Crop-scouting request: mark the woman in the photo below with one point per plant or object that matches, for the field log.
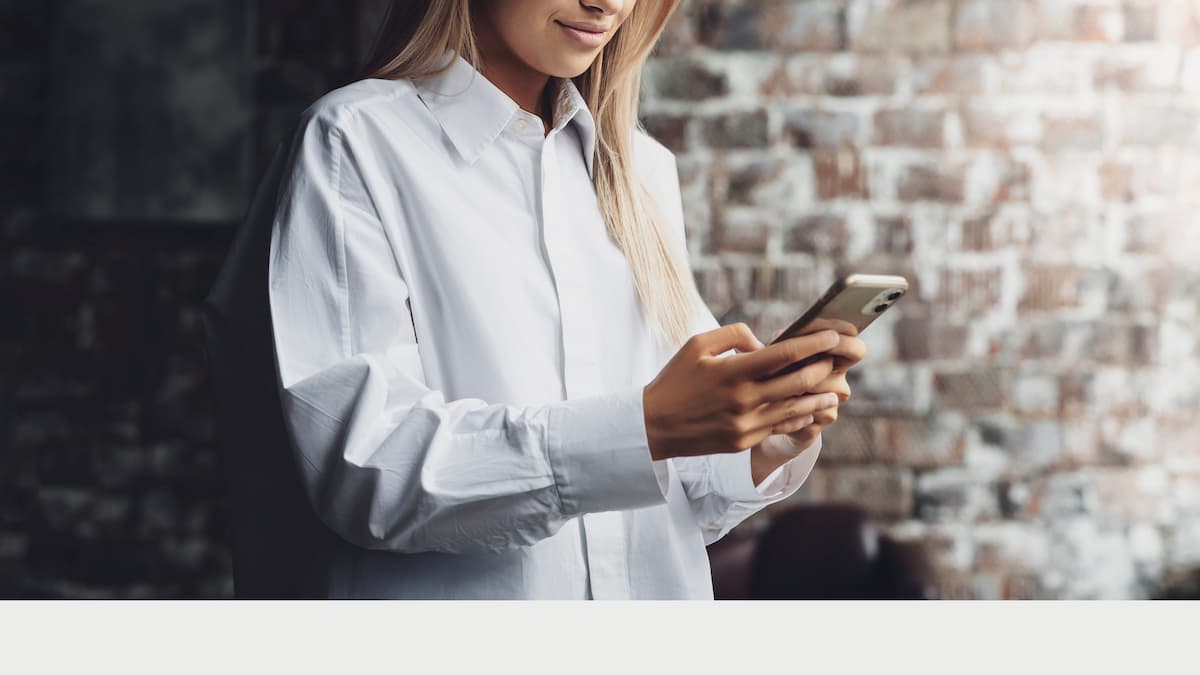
(498, 378)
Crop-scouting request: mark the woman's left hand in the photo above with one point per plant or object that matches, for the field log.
(803, 432)
(789, 439)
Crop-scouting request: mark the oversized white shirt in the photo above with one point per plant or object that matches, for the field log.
(461, 354)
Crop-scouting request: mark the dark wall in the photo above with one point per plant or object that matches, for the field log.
(132, 134)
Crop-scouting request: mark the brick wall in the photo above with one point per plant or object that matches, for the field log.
(1033, 167)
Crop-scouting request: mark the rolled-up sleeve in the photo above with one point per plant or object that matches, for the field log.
(387, 462)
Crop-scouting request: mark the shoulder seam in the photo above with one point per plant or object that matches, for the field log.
(339, 232)
(341, 109)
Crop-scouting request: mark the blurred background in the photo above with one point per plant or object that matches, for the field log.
(1028, 420)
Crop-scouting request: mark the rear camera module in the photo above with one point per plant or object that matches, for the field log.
(881, 301)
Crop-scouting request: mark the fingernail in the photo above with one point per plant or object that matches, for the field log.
(806, 420)
(829, 400)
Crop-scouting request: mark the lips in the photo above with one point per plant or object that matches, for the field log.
(583, 27)
(583, 34)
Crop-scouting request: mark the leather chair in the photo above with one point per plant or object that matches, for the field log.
(819, 552)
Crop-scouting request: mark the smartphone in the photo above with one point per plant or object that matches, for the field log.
(849, 306)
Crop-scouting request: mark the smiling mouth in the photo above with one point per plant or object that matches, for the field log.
(581, 30)
(584, 37)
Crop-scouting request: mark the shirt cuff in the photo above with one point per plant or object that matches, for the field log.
(733, 478)
(774, 482)
(599, 454)
(663, 474)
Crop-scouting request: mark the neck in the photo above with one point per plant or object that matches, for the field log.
(523, 84)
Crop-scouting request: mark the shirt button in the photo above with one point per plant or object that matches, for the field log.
(520, 125)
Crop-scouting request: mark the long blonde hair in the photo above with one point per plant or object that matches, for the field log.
(415, 33)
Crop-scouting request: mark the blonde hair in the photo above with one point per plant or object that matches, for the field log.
(415, 33)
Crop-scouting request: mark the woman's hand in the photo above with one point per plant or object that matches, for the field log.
(801, 433)
(701, 403)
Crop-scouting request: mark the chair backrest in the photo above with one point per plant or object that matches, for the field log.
(819, 552)
(815, 552)
(730, 559)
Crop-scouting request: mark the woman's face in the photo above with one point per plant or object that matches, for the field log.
(540, 33)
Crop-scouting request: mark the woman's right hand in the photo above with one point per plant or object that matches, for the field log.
(701, 404)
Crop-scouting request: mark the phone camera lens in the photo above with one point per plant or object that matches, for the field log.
(894, 295)
(880, 308)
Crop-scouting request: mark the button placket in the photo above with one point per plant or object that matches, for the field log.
(558, 249)
(603, 533)
(554, 255)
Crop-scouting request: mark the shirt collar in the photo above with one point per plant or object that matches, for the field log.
(472, 111)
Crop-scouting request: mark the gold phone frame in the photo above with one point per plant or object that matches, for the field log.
(849, 305)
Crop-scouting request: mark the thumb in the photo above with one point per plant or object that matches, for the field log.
(734, 336)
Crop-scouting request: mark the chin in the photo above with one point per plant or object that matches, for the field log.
(571, 65)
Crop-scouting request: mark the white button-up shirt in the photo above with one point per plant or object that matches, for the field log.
(461, 355)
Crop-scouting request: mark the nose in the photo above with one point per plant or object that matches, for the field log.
(603, 6)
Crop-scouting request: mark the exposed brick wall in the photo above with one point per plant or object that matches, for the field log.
(1033, 167)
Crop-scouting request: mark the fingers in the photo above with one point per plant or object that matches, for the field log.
(805, 429)
(849, 351)
(720, 340)
(767, 360)
(777, 412)
(834, 384)
(825, 416)
(793, 425)
(806, 435)
(799, 382)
